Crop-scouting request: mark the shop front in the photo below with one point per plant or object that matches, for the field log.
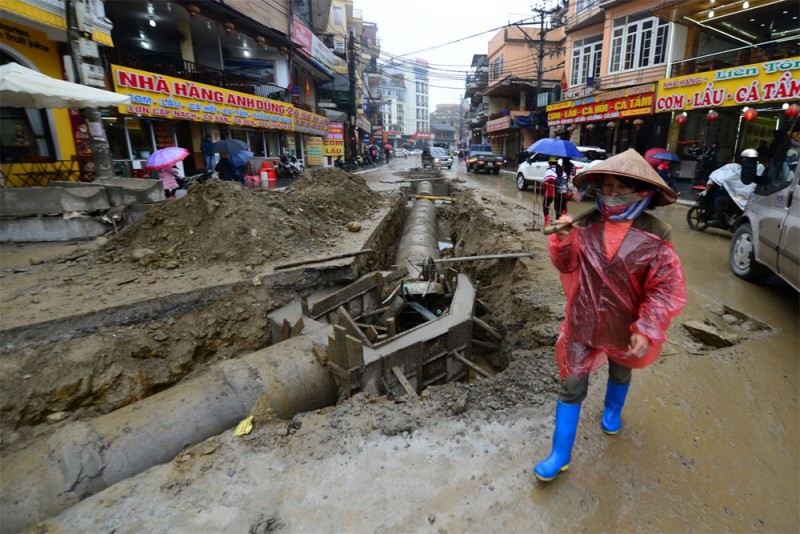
(166, 111)
(737, 108)
(46, 138)
(613, 120)
(503, 135)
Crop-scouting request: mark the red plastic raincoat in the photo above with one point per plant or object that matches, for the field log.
(639, 289)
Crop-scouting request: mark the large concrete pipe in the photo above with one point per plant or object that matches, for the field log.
(419, 239)
(84, 458)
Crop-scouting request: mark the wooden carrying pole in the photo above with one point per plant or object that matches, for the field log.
(553, 228)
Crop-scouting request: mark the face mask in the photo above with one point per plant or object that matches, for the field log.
(624, 207)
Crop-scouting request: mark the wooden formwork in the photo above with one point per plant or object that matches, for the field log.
(435, 352)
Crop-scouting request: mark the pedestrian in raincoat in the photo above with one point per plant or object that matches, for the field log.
(556, 188)
(169, 179)
(623, 283)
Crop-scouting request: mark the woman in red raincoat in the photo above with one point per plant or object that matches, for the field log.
(623, 283)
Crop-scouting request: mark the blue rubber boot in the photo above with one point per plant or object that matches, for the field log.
(615, 400)
(563, 438)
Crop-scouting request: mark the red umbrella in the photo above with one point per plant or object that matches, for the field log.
(165, 157)
(387, 145)
(648, 156)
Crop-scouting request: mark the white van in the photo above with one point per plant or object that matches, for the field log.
(768, 236)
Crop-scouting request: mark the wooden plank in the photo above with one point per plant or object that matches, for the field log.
(334, 300)
(372, 333)
(404, 381)
(333, 351)
(469, 364)
(492, 332)
(391, 327)
(395, 308)
(324, 259)
(393, 276)
(304, 306)
(351, 327)
(286, 329)
(340, 335)
(487, 257)
(297, 328)
(355, 351)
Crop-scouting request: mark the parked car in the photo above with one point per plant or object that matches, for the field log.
(532, 170)
(400, 153)
(765, 241)
(431, 153)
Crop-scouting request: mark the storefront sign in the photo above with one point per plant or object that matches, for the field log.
(629, 102)
(311, 46)
(155, 95)
(503, 123)
(310, 123)
(333, 142)
(771, 81)
(313, 150)
(421, 135)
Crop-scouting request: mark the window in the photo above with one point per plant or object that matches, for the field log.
(497, 68)
(25, 133)
(583, 5)
(638, 41)
(586, 56)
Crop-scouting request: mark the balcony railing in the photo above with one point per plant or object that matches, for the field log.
(737, 57)
(173, 65)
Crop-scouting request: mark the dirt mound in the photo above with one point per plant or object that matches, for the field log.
(222, 222)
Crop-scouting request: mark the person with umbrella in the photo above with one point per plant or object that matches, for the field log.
(228, 171)
(623, 283)
(163, 161)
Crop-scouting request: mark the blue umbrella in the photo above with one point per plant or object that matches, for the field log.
(555, 147)
(669, 156)
(240, 158)
(229, 145)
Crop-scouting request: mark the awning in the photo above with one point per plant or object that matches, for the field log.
(21, 87)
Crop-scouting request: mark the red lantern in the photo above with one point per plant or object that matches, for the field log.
(792, 111)
(638, 123)
(750, 114)
(712, 116)
(680, 119)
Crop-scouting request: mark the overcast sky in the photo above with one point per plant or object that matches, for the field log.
(414, 25)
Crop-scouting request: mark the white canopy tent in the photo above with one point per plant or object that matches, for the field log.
(21, 87)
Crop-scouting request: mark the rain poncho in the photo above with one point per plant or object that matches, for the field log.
(168, 178)
(639, 289)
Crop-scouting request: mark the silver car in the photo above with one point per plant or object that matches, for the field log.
(767, 239)
(532, 170)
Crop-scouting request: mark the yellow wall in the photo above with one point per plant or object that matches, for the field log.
(32, 49)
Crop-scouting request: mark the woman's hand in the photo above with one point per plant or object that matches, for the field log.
(564, 232)
(638, 345)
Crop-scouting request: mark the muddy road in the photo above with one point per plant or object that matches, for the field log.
(710, 438)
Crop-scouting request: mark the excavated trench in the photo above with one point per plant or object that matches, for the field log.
(303, 339)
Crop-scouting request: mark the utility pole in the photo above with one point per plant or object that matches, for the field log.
(351, 103)
(101, 153)
(543, 14)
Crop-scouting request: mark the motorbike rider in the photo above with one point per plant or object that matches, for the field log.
(729, 188)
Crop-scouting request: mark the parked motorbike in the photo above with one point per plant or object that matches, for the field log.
(185, 182)
(289, 167)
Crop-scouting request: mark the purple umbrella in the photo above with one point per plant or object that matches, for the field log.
(165, 157)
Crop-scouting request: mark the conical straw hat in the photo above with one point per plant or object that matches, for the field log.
(629, 164)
